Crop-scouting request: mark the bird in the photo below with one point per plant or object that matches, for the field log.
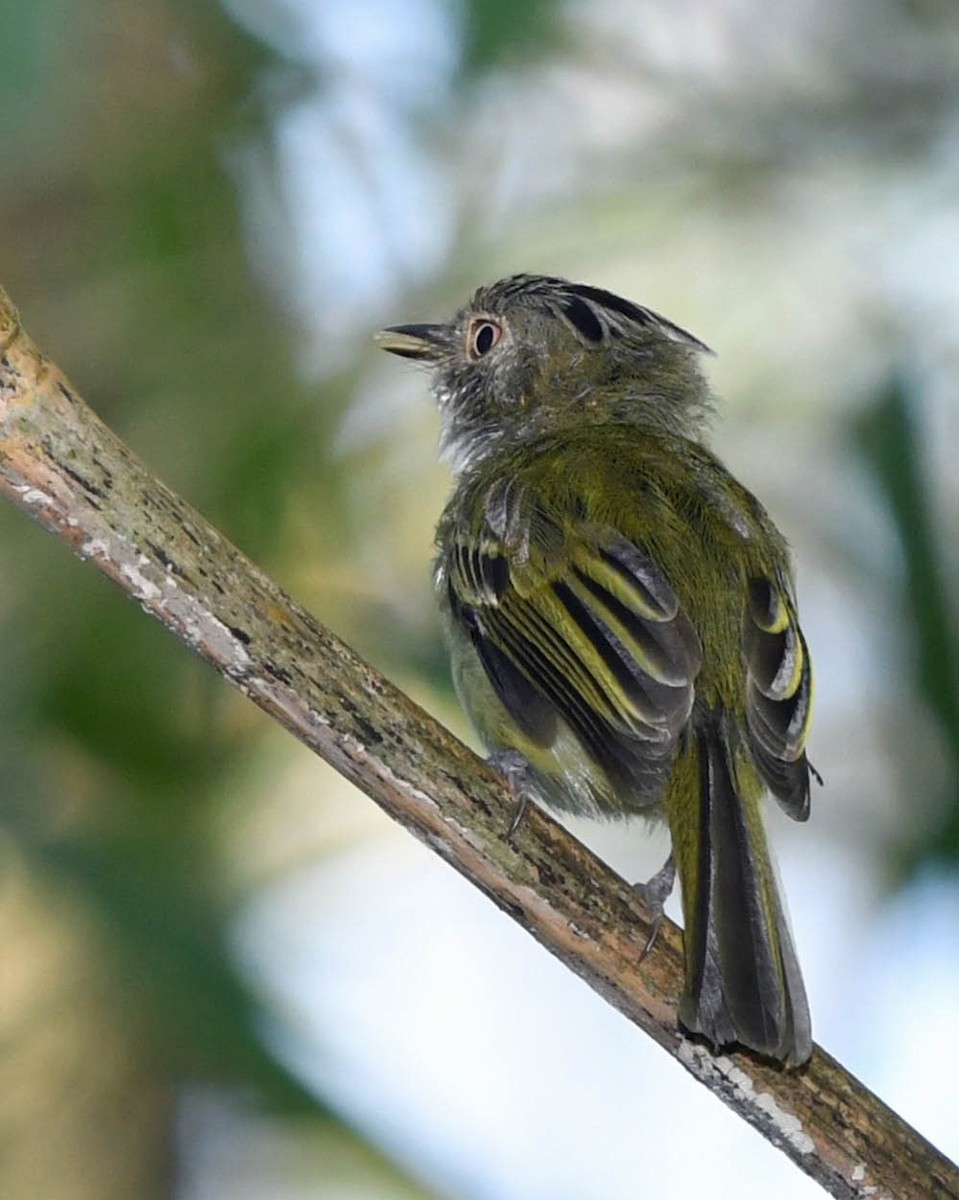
(621, 616)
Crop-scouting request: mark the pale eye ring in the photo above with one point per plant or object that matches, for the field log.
(483, 335)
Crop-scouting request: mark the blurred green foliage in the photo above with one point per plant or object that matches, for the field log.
(123, 248)
(889, 440)
(498, 33)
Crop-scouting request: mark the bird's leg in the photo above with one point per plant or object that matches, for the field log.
(515, 769)
(655, 892)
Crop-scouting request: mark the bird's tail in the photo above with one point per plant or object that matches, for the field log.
(743, 982)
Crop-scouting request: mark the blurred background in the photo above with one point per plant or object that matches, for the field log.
(224, 973)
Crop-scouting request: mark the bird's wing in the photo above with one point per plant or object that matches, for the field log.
(578, 621)
(779, 690)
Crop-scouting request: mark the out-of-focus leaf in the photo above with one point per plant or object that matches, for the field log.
(499, 32)
(888, 439)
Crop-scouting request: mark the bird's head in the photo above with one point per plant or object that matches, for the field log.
(532, 354)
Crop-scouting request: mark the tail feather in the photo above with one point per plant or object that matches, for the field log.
(743, 982)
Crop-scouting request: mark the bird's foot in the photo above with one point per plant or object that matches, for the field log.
(655, 892)
(515, 769)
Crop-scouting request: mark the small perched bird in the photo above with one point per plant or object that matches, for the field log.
(621, 615)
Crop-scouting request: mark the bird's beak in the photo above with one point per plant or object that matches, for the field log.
(412, 341)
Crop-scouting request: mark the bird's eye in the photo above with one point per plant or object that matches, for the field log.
(483, 336)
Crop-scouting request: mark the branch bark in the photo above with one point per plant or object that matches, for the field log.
(67, 470)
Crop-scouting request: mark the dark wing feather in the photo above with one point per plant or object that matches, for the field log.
(594, 633)
(778, 694)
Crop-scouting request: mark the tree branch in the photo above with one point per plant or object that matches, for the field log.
(65, 468)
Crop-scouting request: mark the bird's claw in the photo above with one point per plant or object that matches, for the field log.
(655, 892)
(515, 769)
